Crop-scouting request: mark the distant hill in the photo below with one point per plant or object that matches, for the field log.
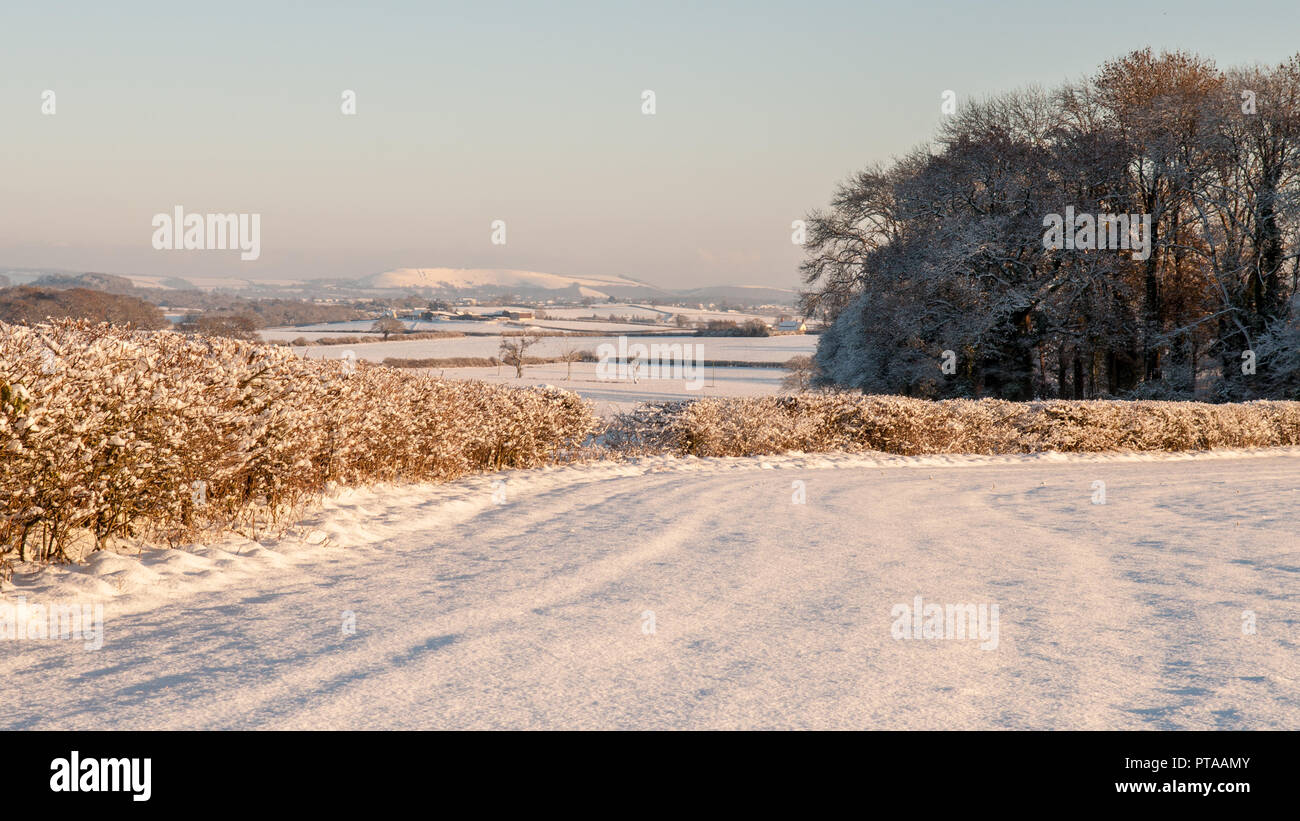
(472, 281)
(742, 294)
(109, 283)
(524, 282)
(482, 283)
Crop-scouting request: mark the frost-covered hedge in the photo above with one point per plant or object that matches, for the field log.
(106, 431)
(893, 424)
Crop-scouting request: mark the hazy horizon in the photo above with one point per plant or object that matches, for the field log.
(26, 275)
(533, 116)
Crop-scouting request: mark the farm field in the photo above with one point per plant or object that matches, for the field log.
(774, 349)
(610, 397)
(605, 318)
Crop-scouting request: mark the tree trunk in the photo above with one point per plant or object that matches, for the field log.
(1078, 375)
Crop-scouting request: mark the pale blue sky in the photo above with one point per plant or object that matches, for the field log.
(527, 112)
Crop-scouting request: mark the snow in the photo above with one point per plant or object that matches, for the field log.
(489, 277)
(611, 396)
(603, 310)
(464, 326)
(365, 326)
(664, 313)
(773, 349)
(530, 613)
(629, 328)
(608, 396)
(210, 283)
(560, 319)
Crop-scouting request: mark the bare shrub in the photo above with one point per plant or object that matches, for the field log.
(443, 362)
(800, 374)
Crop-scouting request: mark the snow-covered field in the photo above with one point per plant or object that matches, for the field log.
(695, 593)
(731, 348)
(608, 396)
(496, 277)
(572, 327)
(364, 326)
(491, 326)
(600, 326)
(611, 396)
(664, 313)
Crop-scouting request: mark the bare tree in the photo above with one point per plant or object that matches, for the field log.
(570, 354)
(513, 349)
(800, 371)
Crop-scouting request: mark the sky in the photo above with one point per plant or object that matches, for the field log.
(529, 113)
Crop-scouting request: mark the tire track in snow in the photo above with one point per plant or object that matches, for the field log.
(385, 656)
(525, 615)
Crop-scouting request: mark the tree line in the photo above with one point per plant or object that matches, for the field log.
(223, 315)
(936, 276)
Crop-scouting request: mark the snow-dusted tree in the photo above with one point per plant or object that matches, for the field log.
(513, 351)
(387, 325)
(800, 371)
(934, 273)
(568, 355)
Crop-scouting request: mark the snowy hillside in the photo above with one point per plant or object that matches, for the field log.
(497, 278)
(743, 294)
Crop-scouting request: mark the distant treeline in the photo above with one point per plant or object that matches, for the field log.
(265, 313)
(222, 315)
(29, 305)
(726, 327)
(268, 313)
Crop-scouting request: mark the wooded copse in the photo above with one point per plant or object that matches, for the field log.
(938, 277)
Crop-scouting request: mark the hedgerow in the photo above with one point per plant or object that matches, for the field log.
(894, 424)
(108, 432)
